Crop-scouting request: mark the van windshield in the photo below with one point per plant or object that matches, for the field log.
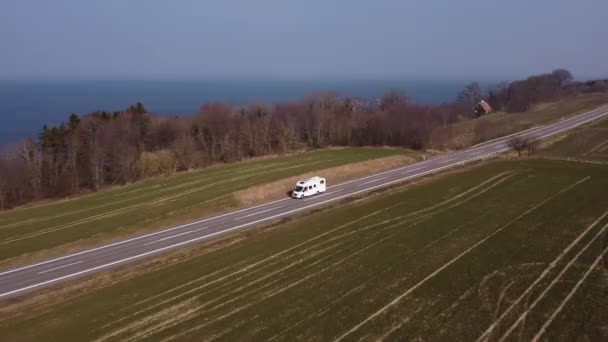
(298, 189)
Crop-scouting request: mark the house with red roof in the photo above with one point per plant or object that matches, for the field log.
(482, 108)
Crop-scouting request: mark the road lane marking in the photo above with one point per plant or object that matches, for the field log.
(323, 194)
(138, 237)
(496, 142)
(176, 235)
(56, 268)
(156, 251)
(499, 141)
(374, 180)
(257, 213)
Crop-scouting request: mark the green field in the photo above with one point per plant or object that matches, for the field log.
(588, 143)
(156, 203)
(505, 242)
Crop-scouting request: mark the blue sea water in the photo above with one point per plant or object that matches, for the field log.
(27, 105)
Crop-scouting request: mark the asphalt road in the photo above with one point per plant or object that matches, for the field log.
(18, 281)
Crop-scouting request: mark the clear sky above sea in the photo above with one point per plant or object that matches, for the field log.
(312, 39)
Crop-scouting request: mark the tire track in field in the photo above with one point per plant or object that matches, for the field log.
(431, 211)
(433, 243)
(139, 205)
(599, 147)
(191, 313)
(194, 291)
(63, 201)
(462, 194)
(399, 298)
(146, 194)
(119, 211)
(225, 332)
(412, 253)
(446, 314)
(400, 324)
(231, 292)
(275, 290)
(194, 281)
(429, 214)
(486, 334)
(398, 223)
(105, 205)
(525, 313)
(320, 312)
(282, 288)
(255, 281)
(548, 322)
(166, 292)
(278, 254)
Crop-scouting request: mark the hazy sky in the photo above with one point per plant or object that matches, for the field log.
(143, 39)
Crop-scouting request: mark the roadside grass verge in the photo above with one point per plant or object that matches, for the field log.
(466, 133)
(450, 258)
(34, 232)
(587, 143)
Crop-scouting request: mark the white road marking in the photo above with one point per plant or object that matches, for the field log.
(138, 238)
(50, 281)
(176, 235)
(499, 141)
(56, 268)
(324, 194)
(257, 213)
(374, 180)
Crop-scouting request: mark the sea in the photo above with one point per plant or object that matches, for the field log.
(27, 105)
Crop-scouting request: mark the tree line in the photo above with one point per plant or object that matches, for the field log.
(108, 148)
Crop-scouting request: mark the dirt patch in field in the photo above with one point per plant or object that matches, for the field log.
(334, 175)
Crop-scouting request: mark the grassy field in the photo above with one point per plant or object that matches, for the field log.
(156, 203)
(506, 249)
(588, 143)
(494, 125)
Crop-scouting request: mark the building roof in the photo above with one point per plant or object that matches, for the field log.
(485, 106)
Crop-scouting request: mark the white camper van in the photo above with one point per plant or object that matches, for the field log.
(309, 187)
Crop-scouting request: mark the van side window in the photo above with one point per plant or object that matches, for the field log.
(315, 185)
(322, 182)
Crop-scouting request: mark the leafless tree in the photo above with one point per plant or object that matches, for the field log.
(470, 95)
(32, 158)
(103, 148)
(519, 144)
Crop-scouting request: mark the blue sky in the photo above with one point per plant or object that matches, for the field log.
(431, 39)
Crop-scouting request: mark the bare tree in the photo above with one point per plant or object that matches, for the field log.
(470, 95)
(184, 150)
(563, 76)
(103, 148)
(519, 144)
(532, 147)
(32, 157)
